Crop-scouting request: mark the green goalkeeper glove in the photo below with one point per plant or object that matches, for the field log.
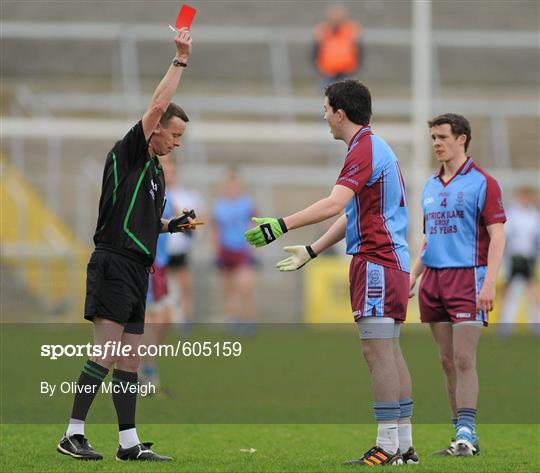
(267, 230)
(301, 255)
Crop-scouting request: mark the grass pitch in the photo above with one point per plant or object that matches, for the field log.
(287, 374)
(300, 396)
(279, 448)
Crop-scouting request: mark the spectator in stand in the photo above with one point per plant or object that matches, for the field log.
(337, 50)
(522, 248)
(231, 216)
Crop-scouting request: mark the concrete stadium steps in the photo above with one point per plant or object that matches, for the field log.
(75, 195)
(17, 303)
(396, 13)
(248, 63)
(524, 142)
(39, 247)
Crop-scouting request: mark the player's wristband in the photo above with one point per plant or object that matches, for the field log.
(270, 231)
(284, 228)
(311, 252)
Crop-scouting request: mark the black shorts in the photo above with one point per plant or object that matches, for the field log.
(178, 261)
(522, 266)
(116, 288)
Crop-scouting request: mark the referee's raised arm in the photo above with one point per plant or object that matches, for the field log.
(168, 85)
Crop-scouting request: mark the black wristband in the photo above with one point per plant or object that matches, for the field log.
(284, 228)
(182, 220)
(178, 63)
(311, 252)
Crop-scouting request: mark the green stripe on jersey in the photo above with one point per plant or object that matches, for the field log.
(115, 178)
(99, 229)
(133, 199)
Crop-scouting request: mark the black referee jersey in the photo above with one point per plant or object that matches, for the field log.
(132, 199)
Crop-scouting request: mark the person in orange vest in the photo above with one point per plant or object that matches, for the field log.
(337, 46)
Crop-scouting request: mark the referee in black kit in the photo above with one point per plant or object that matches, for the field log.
(129, 223)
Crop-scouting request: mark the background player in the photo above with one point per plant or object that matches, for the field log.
(522, 232)
(129, 222)
(459, 259)
(231, 216)
(376, 231)
(158, 307)
(180, 245)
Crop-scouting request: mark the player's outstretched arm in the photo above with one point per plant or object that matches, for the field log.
(334, 234)
(486, 296)
(301, 255)
(417, 268)
(321, 210)
(270, 229)
(167, 87)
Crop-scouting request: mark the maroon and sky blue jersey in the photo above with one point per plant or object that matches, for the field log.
(377, 214)
(456, 214)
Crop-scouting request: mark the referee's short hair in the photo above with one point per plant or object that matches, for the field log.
(173, 110)
(458, 124)
(353, 98)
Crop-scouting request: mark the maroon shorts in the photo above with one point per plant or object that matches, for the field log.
(157, 285)
(449, 295)
(377, 291)
(230, 259)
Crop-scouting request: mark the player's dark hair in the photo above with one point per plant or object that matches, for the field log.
(173, 110)
(353, 98)
(458, 124)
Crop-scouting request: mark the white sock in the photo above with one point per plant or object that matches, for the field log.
(75, 427)
(387, 437)
(128, 438)
(405, 434)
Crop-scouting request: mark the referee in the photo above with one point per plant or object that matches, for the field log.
(129, 222)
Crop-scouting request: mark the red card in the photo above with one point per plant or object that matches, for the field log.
(185, 17)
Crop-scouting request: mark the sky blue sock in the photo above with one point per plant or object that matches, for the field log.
(386, 410)
(465, 426)
(406, 407)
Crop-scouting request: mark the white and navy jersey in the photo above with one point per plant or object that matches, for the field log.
(377, 214)
(182, 198)
(132, 199)
(456, 214)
